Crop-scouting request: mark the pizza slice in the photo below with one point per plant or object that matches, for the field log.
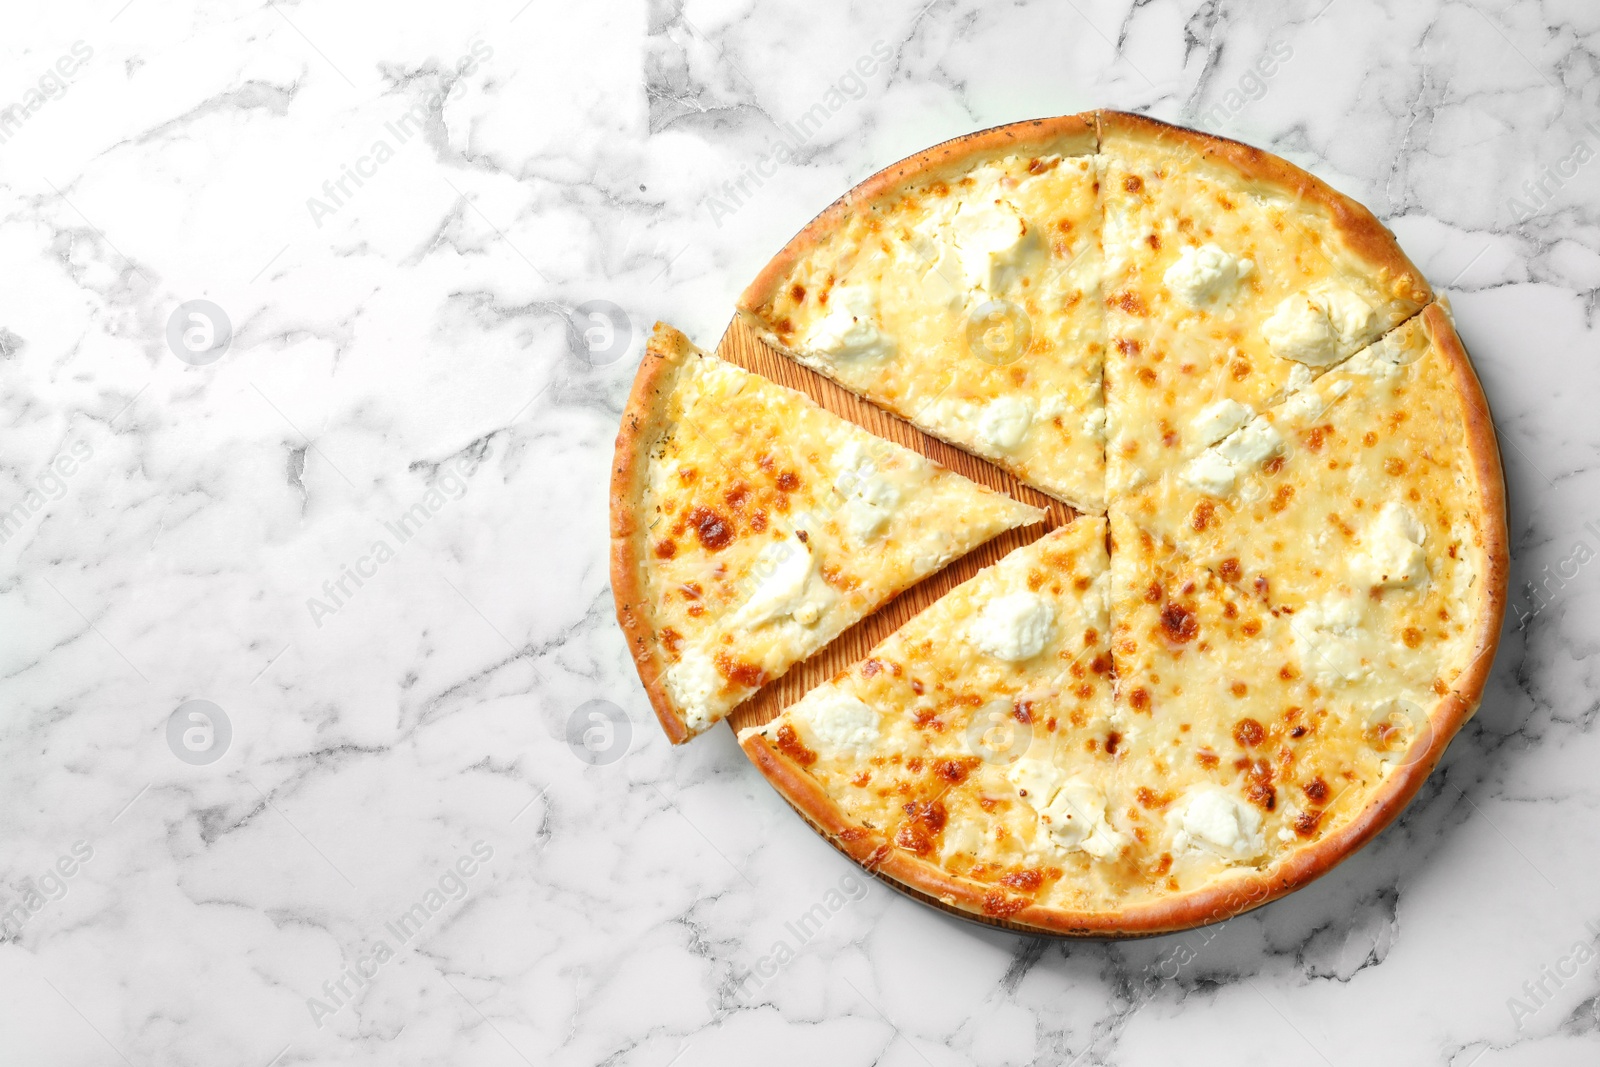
(1375, 525)
(971, 756)
(1248, 774)
(1231, 278)
(960, 289)
(750, 527)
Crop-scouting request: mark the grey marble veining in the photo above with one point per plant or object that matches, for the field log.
(372, 533)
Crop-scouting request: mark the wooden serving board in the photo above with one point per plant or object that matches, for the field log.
(741, 346)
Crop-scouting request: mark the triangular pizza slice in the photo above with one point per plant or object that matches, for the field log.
(750, 527)
(971, 756)
(1231, 278)
(960, 289)
(1245, 770)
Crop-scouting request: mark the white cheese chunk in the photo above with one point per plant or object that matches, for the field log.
(870, 497)
(943, 284)
(1391, 550)
(1319, 326)
(992, 428)
(1036, 780)
(1210, 473)
(961, 835)
(1003, 422)
(691, 682)
(1331, 640)
(1013, 627)
(1251, 446)
(991, 239)
(837, 721)
(850, 330)
(1071, 811)
(1303, 406)
(1215, 820)
(1203, 275)
(781, 573)
(1380, 361)
(1218, 420)
(1216, 470)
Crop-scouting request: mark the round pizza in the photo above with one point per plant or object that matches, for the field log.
(1270, 600)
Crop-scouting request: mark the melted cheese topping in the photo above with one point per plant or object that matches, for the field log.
(996, 767)
(1320, 326)
(850, 331)
(1360, 526)
(1205, 274)
(969, 304)
(1190, 325)
(1277, 652)
(1013, 627)
(758, 504)
(1243, 751)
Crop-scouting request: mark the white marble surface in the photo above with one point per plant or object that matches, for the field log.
(412, 331)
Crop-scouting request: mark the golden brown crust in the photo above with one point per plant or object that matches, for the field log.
(1484, 450)
(642, 423)
(1069, 134)
(1361, 232)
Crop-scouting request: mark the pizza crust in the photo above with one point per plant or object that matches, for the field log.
(643, 420)
(1484, 451)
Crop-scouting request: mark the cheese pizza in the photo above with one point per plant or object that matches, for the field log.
(750, 527)
(1277, 598)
